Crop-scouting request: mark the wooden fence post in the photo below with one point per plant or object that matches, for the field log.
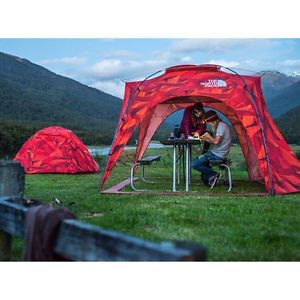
(5, 246)
(12, 181)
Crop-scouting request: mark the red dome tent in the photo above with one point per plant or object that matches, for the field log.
(148, 103)
(55, 150)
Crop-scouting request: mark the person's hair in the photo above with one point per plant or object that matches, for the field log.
(211, 116)
(198, 107)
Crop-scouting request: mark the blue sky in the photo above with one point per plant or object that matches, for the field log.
(102, 63)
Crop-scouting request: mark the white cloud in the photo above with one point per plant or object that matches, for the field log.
(113, 87)
(171, 58)
(225, 63)
(73, 60)
(250, 62)
(288, 66)
(186, 59)
(163, 55)
(117, 54)
(220, 45)
(107, 68)
(118, 69)
(292, 63)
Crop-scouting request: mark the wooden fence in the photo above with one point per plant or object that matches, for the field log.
(78, 241)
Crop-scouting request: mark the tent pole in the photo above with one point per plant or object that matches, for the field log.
(118, 126)
(138, 89)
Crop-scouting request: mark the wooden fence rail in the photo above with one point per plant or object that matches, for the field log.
(78, 241)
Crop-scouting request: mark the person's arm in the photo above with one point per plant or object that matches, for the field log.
(186, 122)
(210, 139)
(217, 139)
(201, 128)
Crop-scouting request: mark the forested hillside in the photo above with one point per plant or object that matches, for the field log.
(32, 97)
(288, 98)
(289, 125)
(29, 92)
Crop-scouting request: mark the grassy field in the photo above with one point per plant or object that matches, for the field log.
(232, 227)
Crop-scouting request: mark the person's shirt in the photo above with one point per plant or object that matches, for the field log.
(187, 124)
(224, 145)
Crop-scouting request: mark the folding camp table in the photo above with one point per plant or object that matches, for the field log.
(184, 149)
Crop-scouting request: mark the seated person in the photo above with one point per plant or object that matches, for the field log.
(220, 147)
(193, 123)
(193, 120)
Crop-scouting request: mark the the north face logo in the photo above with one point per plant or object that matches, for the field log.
(213, 83)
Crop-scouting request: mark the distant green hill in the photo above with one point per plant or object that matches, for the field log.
(32, 97)
(29, 92)
(289, 125)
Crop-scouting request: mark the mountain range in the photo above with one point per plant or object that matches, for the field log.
(273, 82)
(33, 97)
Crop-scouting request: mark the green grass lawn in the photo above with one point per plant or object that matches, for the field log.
(232, 227)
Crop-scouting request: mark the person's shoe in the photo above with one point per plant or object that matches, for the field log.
(214, 180)
(204, 180)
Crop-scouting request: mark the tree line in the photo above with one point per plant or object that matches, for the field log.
(14, 135)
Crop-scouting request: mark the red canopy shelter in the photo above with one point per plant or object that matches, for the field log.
(55, 150)
(148, 103)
